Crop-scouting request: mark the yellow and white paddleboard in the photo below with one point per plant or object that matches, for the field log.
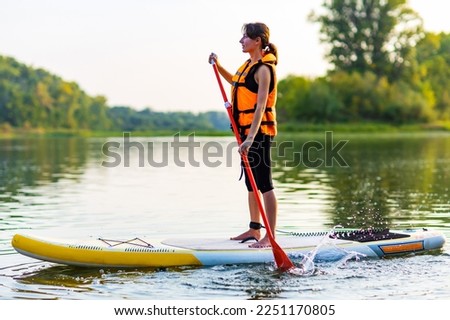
(145, 252)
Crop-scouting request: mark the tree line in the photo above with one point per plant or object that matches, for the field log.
(35, 98)
(128, 119)
(385, 68)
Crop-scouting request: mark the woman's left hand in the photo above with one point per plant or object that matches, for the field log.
(245, 146)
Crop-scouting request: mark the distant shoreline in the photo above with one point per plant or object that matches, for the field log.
(7, 132)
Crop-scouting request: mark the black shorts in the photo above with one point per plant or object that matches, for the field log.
(260, 161)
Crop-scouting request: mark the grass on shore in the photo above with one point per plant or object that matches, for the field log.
(8, 132)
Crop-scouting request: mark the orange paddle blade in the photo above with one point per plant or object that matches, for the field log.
(281, 259)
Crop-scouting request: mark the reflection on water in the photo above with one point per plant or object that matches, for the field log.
(59, 187)
(29, 163)
(389, 180)
(368, 279)
(31, 172)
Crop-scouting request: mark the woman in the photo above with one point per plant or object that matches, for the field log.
(253, 98)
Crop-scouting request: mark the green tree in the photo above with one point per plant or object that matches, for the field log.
(324, 103)
(433, 58)
(303, 99)
(369, 35)
(292, 97)
(35, 98)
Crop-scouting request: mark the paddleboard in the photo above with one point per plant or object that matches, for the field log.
(145, 252)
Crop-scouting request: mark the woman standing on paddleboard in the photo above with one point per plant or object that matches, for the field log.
(254, 91)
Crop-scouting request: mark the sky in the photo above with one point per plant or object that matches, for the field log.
(154, 53)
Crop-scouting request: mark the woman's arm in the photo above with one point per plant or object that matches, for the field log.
(223, 72)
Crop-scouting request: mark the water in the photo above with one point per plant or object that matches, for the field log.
(59, 187)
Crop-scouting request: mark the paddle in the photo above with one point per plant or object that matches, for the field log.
(282, 260)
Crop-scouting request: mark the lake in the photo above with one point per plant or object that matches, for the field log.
(189, 185)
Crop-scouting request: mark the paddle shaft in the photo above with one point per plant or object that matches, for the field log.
(280, 256)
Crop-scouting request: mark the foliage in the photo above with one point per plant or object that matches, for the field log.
(370, 35)
(385, 69)
(350, 97)
(33, 98)
(128, 119)
(433, 57)
(300, 98)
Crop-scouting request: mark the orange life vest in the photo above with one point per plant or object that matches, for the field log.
(245, 94)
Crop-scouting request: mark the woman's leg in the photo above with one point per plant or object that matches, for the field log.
(254, 217)
(271, 207)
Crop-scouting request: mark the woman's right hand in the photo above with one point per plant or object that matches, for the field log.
(213, 58)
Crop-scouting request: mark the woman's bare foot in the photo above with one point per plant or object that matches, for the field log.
(248, 234)
(263, 243)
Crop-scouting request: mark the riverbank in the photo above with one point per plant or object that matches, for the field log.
(363, 127)
(8, 132)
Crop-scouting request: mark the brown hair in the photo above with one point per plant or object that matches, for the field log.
(259, 29)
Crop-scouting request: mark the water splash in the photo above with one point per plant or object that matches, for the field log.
(307, 266)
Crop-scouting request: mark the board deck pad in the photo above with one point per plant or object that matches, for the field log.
(290, 240)
(211, 244)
